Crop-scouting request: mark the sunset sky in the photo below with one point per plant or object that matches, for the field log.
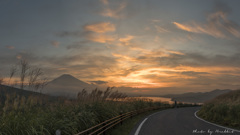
(148, 46)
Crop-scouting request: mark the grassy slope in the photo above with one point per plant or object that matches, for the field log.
(223, 110)
(7, 90)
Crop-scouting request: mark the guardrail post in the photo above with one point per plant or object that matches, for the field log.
(58, 132)
(104, 133)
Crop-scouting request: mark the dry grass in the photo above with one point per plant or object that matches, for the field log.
(224, 110)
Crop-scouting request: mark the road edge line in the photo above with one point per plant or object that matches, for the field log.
(140, 126)
(235, 130)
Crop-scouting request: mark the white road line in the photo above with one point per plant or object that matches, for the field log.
(139, 127)
(235, 130)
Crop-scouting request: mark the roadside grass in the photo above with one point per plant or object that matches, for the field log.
(223, 110)
(221, 114)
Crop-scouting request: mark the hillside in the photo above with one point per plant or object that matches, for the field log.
(4, 90)
(7, 89)
(199, 97)
(230, 98)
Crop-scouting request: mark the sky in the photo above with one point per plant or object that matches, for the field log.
(140, 46)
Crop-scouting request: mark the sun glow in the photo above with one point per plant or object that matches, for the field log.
(140, 79)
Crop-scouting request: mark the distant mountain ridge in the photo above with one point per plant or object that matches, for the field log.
(199, 97)
(5, 90)
(66, 85)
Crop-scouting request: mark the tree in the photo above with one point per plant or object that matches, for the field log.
(13, 70)
(40, 84)
(34, 75)
(31, 76)
(24, 67)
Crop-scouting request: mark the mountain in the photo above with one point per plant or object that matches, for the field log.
(199, 97)
(230, 98)
(66, 85)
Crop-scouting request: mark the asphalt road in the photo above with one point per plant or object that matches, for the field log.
(178, 121)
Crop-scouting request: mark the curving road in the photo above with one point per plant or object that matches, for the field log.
(178, 121)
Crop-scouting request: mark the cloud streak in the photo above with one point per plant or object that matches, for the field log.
(101, 38)
(96, 32)
(10, 47)
(161, 29)
(126, 40)
(115, 12)
(101, 27)
(217, 25)
(99, 82)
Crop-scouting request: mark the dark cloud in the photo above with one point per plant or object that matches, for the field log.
(217, 81)
(10, 47)
(70, 34)
(55, 43)
(220, 6)
(192, 73)
(192, 59)
(78, 45)
(98, 82)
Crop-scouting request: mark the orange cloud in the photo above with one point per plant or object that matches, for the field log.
(101, 38)
(126, 40)
(136, 78)
(124, 57)
(185, 27)
(102, 27)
